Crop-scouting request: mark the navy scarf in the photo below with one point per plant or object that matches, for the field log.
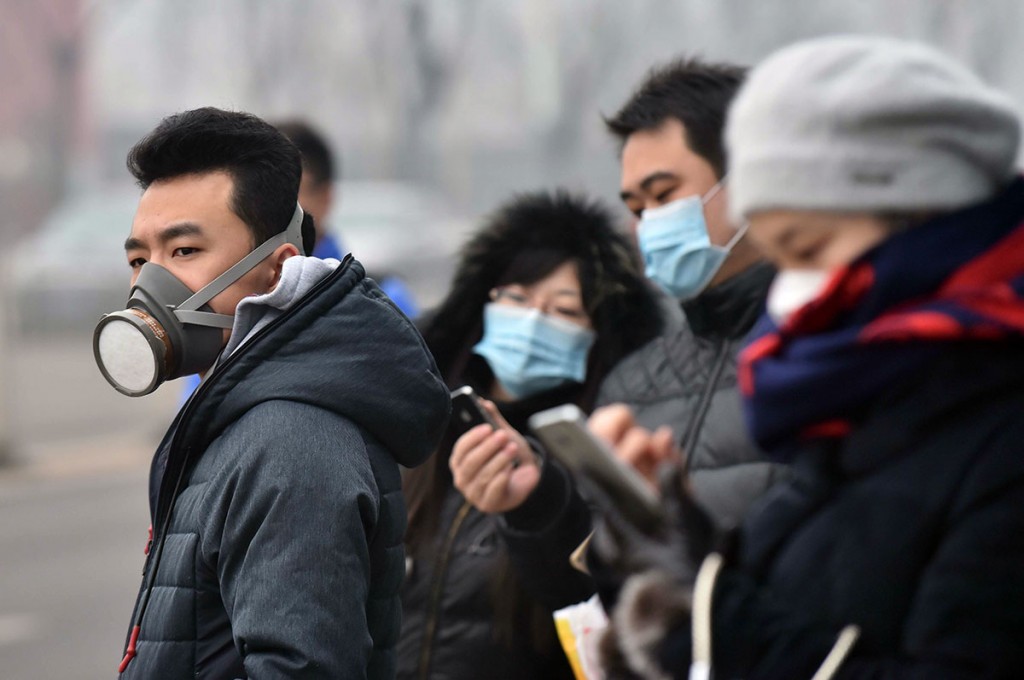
(886, 316)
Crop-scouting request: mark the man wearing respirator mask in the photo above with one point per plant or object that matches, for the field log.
(260, 490)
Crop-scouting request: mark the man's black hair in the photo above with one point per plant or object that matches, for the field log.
(317, 158)
(264, 165)
(694, 92)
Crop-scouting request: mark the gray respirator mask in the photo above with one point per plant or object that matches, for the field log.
(167, 331)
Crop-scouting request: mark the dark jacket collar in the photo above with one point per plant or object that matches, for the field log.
(730, 309)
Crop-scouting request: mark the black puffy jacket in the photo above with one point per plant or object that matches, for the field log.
(455, 624)
(932, 479)
(452, 605)
(277, 511)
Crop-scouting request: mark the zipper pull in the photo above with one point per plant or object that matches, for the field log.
(130, 652)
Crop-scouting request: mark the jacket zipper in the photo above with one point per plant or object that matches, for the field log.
(157, 544)
(437, 589)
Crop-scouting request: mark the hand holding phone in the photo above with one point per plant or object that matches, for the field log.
(496, 470)
(563, 431)
(643, 450)
(639, 530)
(468, 412)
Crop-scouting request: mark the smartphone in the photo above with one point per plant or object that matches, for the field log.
(467, 412)
(563, 431)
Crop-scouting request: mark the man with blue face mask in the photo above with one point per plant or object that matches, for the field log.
(674, 180)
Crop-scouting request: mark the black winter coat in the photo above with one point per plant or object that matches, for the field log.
(454, 622)
(911, 528)
(278, 512)
(451, 598)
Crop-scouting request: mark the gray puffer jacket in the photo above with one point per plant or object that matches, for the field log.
(686, 378)
(277, 504)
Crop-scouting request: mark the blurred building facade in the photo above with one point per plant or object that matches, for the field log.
(475, 99)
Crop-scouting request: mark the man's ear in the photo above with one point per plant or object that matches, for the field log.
(276, 259)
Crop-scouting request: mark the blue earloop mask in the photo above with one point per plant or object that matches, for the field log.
(677, 250)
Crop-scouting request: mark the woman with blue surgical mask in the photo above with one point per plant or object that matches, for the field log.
(536, 337)
(548, 296)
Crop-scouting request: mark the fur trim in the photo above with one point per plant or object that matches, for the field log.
(622, 304)
(650, 606)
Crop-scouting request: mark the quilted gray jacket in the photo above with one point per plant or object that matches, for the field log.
(686, 378)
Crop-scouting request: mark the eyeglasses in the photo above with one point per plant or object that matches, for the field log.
(562, 304)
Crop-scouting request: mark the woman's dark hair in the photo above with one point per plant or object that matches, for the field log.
(694, 92)
(524, 241)
(265, 167)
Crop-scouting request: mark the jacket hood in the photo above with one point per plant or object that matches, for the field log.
(344, 347)
(623, 306)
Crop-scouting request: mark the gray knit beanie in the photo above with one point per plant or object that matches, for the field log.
(866, 124)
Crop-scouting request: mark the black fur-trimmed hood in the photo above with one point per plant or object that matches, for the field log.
(622, 305)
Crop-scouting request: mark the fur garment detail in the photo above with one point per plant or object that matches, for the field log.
(650, 606)
(625, 307)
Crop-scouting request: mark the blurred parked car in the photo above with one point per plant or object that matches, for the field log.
(399, 229)
(72, 270)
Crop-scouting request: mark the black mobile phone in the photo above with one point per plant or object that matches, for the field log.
(467, 412)
(563, 431)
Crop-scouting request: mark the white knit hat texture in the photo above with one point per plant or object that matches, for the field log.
(866, 124)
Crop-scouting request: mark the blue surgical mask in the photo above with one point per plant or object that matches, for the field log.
(530, 352)
(678, 253)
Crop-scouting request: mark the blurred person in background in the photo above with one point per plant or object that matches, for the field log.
(880, 178)
(675, 182)
(320, 170)
(546, 299)
(316, 190)
(277, 522)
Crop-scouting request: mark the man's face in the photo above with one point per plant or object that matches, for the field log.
(186, 225)
(658, 167)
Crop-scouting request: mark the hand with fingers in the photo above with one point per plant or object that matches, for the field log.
(685, 536)
(494, 469)
(677, 546)
(655, 573)
(646, 451)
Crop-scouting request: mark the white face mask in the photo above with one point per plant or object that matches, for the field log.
(793, 289)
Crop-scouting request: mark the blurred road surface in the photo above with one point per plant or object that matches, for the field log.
(70, 562)
(57, 394)
(73, 510)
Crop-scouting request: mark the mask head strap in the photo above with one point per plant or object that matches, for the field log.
(188, 311)
(740, 233)
(713, 190)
